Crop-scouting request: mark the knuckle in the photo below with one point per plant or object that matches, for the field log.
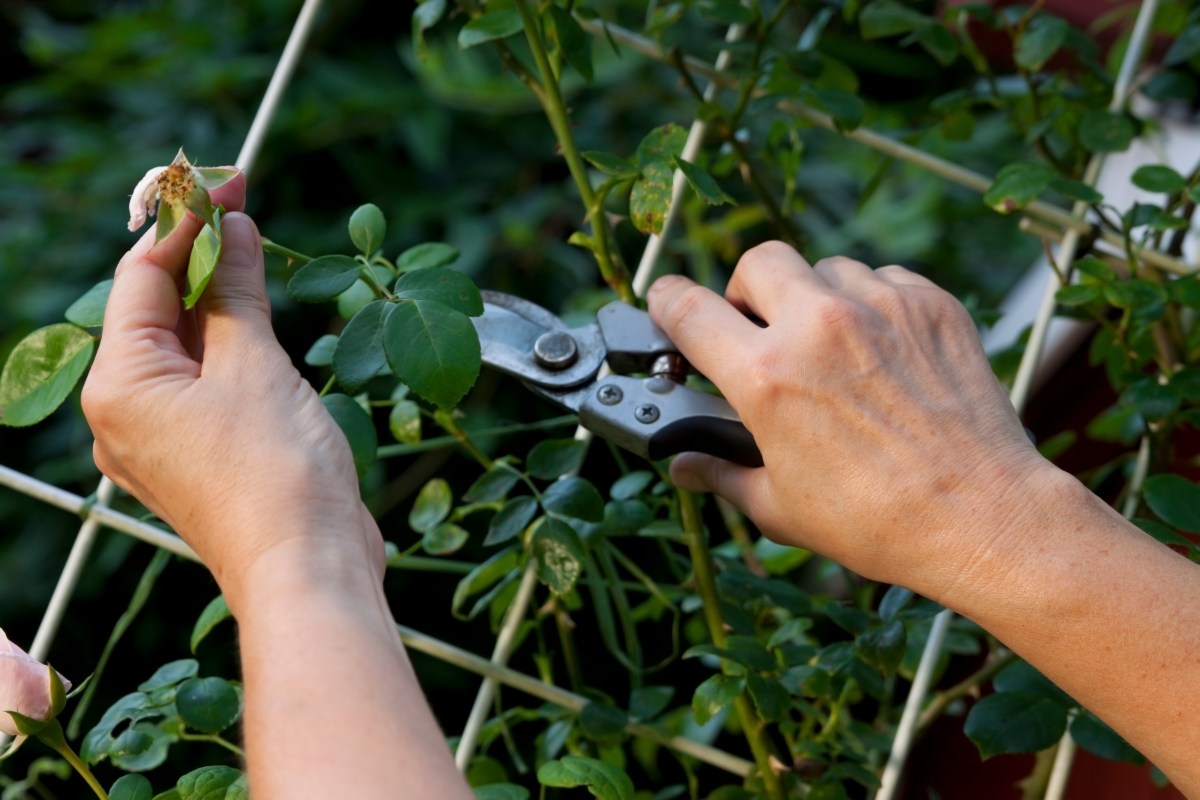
(766, 252)
(685, 305)
(834, 313)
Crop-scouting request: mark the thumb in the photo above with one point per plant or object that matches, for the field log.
(235, 307)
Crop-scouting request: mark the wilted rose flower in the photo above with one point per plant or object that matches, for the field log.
(178, 185)
(24, 686)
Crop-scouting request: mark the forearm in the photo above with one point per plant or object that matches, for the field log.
(1103, 610)
(333, 707)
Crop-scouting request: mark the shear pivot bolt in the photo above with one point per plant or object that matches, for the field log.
(646, 413)
(555, 350)
(609, 395)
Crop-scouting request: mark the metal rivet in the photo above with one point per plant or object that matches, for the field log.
(555, 350)
(646, 413)
(609, 394)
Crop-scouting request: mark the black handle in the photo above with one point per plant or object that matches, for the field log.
(716, 436)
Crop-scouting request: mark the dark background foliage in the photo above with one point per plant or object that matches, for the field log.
(451, 149)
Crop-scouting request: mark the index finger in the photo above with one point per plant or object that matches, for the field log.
(709, 332)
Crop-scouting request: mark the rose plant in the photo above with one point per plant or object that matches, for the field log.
(664, 611)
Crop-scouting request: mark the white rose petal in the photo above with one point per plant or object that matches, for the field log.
(142, 203)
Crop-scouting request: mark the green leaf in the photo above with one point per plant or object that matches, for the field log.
(432, 348)
(404, 421)
(661, 145)
(206, 252)
(894, 599)
(358, 428)
(427, 256)
(1076, 190)
(1106, 132)
(559, 555)
(650, 199)
(602, 780)
(1040, 41)
(444, 539)
(131, 787)
(1185, 46)
(938, 42)
(770, 698)
(323, 279)
(358, 355)
(209, 705)
(1163, 533)
(715, 694)
(490, 26)
(170, 674)
(321, 352)
(553, 458)
(1090, 733)
(510, 520)
(367, 228)
(1152, 399)
(1158, 178)
(703, 183)
(169, 217)
(888, 18)
(1176, 501)
(170, 794)
(610, 164)
(41, 372)
(501, 791)
(882, 646)
(1021, 676)
(424, 17)
(574, 497)
(445, 286)
(213, 615)
(846, 109)
(603, 723)
(727, 12)
(213, 783)
(576, 46)
(1017, 185)
(630, 485)
(648, 702)
(500, 567)
(431, 507)
(142, 747)
(1079, 294)
(493, 485)
(88, 311)
(1015, 722)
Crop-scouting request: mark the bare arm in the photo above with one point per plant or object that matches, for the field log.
(202, 416)
(890, 447)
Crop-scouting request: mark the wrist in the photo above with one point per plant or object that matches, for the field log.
(1014, 546)
(346, 564)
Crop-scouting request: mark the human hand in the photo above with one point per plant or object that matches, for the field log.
(888, 444)
(202, 416)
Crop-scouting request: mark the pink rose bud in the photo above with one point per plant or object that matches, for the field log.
(24, 686)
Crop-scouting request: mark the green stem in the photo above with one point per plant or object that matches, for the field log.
(213, 739)
(52, 736)
(614, 272)
(449, 441)
(706, 585)
(450, 425)
(566, 636)
(288, 253)
(942, 700)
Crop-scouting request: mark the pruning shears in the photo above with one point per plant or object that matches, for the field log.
(639, 402)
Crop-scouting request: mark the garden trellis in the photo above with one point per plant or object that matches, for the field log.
(1068, 226)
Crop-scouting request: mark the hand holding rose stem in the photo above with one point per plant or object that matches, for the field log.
(268, 497)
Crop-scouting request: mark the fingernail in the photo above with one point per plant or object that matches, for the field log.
(238, 240)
